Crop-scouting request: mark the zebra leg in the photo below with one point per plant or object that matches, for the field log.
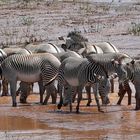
(25, 91)
(50, 91)
(88, 90)
(121, 97)
(129, 92)
(41, 90)
(137, 104)
(47, 97)
(60, 88)
(13, 92)
(96, 96)
(74, 93)
(53, 93)
(79, 98)
(5, 87)
(0, 86)
(112, 85)
(137, 96)
(121, 93)
(54, 96)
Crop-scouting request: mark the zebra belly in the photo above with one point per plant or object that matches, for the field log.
(28, 77)
(73, 81)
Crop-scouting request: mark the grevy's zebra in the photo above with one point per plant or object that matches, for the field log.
(51, 90)
(80, 44)
(16, 50)
(30, 68)
(12, 51)
(3, 55)
(123, 88)
(79, 72)
(133, 74)
(61, 56)
(108, 61)
(44, 47)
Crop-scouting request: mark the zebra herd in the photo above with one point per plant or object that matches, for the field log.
(75, 65)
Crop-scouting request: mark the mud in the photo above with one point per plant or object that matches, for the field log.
(34, 121)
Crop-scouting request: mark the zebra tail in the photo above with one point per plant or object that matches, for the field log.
(51, 80)
(1, 72)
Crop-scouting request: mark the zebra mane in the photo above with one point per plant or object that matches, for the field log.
(77, 37)
(94, 61)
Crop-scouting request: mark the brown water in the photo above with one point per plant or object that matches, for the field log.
(36, 122)
(8, 123)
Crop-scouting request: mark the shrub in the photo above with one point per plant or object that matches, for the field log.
(135, 29)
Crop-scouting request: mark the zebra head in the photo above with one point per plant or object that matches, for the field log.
(120, 70)
(68, 94)
(3, 55)
(130, 68)
(104, 89)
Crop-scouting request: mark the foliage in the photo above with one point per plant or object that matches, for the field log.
(135, 29)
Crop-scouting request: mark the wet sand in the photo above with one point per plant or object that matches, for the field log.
(33, 121)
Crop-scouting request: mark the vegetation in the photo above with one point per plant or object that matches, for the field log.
(135, 29)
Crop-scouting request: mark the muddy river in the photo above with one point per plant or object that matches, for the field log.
(33, 121)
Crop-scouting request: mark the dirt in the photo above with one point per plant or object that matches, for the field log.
(33, 121)
(46, 21)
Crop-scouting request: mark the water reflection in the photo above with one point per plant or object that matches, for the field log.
(20, 123)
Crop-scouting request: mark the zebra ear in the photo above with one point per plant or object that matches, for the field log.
(114, 61)
(132, 62)
(99, 77)
(113, 76)
(81, 51)
(90, 59)
(63, 46)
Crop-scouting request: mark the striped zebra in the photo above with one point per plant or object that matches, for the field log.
(123, 89)
(3, 55)
(30, 68)
(50, 89)
(12, 51)
(133, 74)
(77, 72)
(80, 44)
(112, 63)
(44, 47)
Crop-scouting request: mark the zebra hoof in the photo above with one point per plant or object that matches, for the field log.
(118, 103)
(100, 110)
(44, 103)
(77, 111)
(137, 108)
(14, 104)
(59, 106)
(23, 101)
(54, 102)
(4, 94)
(88, 104)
